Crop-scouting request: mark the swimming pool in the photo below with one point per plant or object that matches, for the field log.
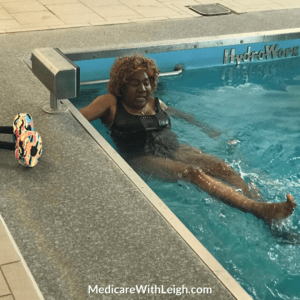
(257, 109)
(241, 79)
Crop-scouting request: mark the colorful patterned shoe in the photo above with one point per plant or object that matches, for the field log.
(29, 148)
(22, 122)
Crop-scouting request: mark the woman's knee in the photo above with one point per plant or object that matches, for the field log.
(190, 173)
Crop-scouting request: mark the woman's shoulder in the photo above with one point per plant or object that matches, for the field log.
(103, 105)
(107, 99)
(106, 102)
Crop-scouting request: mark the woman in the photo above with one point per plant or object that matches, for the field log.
(140, 127)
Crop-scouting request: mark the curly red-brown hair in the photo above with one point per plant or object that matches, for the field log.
(125, 66)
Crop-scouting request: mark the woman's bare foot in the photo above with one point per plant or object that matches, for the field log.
(277, 211)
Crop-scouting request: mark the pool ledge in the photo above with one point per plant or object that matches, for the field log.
(78, 54)
(225, 278)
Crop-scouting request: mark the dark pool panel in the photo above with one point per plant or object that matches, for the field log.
(214, 9)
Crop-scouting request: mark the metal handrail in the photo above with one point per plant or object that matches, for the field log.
(94, 82)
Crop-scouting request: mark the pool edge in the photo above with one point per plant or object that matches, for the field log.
(182, 44)
(205, 256)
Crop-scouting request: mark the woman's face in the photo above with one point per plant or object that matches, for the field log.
(138, 90)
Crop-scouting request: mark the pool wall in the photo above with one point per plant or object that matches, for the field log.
(192, 53)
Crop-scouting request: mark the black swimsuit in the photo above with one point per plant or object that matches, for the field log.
(143, 135)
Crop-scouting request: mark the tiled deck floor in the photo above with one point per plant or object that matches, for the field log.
(16, 282)
(29, 15)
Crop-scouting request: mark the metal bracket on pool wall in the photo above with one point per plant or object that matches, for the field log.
(58, 74)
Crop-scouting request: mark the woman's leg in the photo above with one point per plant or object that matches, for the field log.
(176, 170)
(214, 167)
(227, 194)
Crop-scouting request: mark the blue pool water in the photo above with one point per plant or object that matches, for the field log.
(257, 106)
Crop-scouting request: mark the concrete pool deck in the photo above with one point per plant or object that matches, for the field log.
(76, 217)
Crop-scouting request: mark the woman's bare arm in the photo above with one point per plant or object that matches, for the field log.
(99, 108)
(210, 131)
